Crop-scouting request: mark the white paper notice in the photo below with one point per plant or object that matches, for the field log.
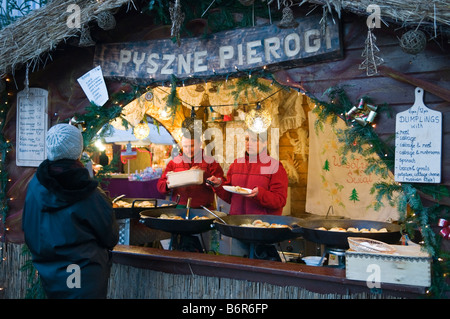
(94, 86)
(418, 143)
(31, 129)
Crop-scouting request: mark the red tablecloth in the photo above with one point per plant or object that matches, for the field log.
(132, 189)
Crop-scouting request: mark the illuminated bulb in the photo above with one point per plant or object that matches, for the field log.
(258, 120)
(141, 130)
(99, 145)
(165, 113)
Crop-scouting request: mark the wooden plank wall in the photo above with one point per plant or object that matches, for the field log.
(431, 65)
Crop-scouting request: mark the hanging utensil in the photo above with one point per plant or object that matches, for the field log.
(188, 205)
(214, 215)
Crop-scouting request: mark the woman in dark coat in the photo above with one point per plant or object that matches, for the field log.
(68, 222)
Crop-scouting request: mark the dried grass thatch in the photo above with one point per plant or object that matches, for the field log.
(43, 29)
(403, 12)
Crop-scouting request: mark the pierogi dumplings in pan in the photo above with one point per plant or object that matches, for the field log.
(165, 216)
(125, 204)
(261, 224)
(354, 230)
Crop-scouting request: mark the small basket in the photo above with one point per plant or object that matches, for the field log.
(367, 245)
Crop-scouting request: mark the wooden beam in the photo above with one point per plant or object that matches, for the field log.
(427, 86)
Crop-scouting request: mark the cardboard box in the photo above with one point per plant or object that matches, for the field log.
(184, 178)
(409, 265)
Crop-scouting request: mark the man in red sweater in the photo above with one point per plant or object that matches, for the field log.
(192, 157)
(258, 171)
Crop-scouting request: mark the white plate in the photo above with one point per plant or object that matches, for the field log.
(232, 189)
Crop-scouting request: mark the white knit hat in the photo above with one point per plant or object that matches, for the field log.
(64, 141)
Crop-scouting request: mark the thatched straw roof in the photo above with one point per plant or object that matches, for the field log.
(42, 30)
(403, 12)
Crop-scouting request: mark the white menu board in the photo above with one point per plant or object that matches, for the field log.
(31, 126)
(418, 143)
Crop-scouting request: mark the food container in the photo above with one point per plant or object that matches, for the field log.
(368, 245)
(185, 178)
(408, 265)
(313, 260)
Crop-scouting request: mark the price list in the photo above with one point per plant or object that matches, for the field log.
(418, 143)
(32, 122)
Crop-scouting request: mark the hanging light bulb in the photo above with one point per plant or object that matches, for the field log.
(142, 130)
(258, 120)
(166, 113)
(99, 145)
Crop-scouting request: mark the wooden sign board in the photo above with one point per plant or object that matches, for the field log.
(31, 129)
(418, 143)
(224, 52)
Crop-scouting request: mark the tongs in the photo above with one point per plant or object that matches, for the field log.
(188, 206)
(214, 215)
(117, 198)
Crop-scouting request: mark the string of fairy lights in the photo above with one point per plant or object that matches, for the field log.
(5, 147)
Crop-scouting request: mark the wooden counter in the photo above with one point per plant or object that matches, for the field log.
(203, 271)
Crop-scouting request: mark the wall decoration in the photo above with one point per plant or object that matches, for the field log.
(292, 167)
(106, 20)
(345, 185)
(413, 41)
(299, 143)
(371, 60)
(177, 17)
(85, 37)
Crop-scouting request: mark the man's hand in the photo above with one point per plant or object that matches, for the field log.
(253, 193)
(214, 181)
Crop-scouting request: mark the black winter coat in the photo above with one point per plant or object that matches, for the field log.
(69, 225)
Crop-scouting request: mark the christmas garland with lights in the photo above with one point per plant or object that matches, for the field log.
(5, 147)
(356, 138)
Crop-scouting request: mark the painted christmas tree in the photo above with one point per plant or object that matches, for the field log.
(326, 166)
(354, 196)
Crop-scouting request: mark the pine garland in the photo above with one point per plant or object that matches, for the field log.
(414, 217)
(11, 10)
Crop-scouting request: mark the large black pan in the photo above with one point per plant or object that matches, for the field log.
(150, 218)
(308, 230)
(134, 210)
(260, 235)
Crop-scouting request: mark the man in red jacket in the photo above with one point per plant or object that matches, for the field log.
(258, 171)
(192, 157)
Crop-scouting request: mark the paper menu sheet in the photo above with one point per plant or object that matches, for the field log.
(93, 85)
(31, 129)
